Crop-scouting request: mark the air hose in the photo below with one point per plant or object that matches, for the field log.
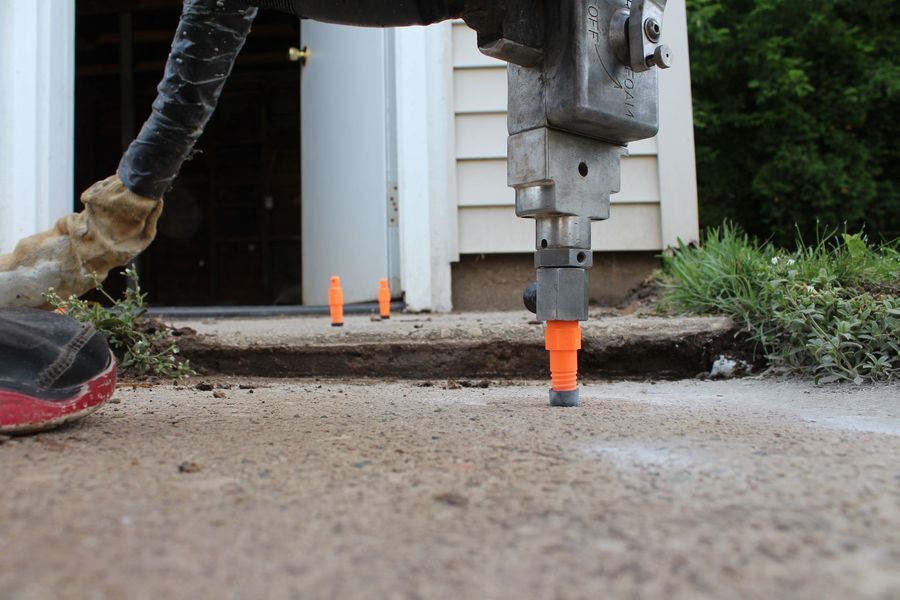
(209, 37)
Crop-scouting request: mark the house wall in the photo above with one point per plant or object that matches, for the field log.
(425, 165)
(37, 83)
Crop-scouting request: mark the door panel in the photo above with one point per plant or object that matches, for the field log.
(345, 165)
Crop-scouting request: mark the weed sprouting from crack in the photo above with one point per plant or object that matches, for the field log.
(141, 350)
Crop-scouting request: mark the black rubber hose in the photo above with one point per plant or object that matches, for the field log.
(209, 37)
(369, 13)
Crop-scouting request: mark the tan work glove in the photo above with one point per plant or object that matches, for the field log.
(115, 226)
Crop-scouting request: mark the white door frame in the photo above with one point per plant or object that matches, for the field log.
(37, 115)
(426, 165)
(679, 211)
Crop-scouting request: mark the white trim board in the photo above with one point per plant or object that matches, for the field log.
(37, 115)
(679, 216)
(426, 165)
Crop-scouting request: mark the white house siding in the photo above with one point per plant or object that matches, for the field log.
(37, 83)
(655, 186)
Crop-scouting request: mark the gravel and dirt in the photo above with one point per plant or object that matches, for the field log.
(433, 489)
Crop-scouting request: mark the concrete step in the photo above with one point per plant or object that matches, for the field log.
(467, 345)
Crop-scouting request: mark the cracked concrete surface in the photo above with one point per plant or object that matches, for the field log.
(361, 489)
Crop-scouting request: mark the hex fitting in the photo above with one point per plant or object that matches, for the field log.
(562, 294)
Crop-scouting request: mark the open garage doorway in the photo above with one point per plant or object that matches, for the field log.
(230, 233)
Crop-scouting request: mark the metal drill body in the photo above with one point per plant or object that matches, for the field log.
(571, 116)
(576, 99)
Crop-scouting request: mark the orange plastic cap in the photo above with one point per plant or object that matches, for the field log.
(336, 301)
(563, 340)
(384, 299)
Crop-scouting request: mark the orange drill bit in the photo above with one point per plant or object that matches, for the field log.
(563, 340)
(336, 302)
(384, 299)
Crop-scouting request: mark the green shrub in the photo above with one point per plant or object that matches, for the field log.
(141, 350)
(797, 114)
(831, 310)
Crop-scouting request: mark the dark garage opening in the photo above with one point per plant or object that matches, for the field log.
(230, 231)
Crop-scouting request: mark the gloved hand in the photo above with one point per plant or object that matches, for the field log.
(114, 227)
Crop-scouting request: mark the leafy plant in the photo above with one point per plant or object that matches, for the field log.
(831, 310)
(797, 114)
(141, 350)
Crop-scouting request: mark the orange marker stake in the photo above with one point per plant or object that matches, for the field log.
(384, 299)
(563, 340)
(336, 302)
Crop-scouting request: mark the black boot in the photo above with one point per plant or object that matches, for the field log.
(53, 369)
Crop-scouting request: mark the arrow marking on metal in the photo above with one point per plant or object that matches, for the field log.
(613, 79)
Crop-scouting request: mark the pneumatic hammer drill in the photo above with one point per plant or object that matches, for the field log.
(582, 85)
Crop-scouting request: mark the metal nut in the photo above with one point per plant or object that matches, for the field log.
(652, 29)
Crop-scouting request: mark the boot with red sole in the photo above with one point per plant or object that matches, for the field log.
(53, 369)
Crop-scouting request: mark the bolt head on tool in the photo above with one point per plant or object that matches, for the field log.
(653, 29)
(565, 398)
(662, 57)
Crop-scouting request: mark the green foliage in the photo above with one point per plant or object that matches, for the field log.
(831, 310)
(140, 351)
(797, 114)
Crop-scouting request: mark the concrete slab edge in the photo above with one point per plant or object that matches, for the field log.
(659, 356)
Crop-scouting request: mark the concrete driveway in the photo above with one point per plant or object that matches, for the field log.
(334, 489)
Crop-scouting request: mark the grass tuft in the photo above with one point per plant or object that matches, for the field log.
(140, 350)
(830, 309)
